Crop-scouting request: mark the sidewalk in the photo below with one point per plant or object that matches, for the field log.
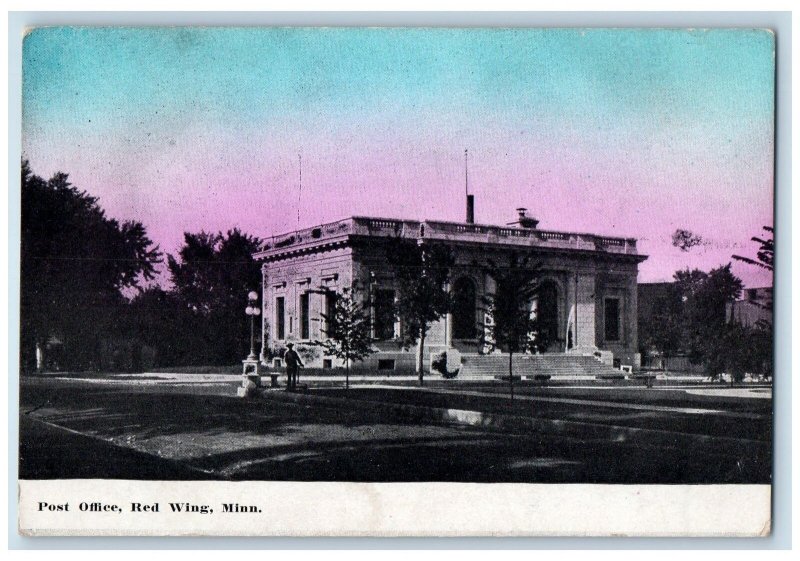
(582, 402)
(532, 423)
(154, 378)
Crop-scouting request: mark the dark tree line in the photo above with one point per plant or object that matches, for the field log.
(87, 297)
(75, 263)
(211, 276)
(200, 320)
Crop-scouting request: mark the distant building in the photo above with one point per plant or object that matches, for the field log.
(588, 296)
(754, 306)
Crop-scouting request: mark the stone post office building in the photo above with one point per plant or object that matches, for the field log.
(587, 297)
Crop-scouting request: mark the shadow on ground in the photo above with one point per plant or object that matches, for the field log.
(128, 432)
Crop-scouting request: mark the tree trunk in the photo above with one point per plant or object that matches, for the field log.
(420, 358)
(347, 374)
(511, 373)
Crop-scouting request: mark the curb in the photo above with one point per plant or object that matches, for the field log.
(516, 423)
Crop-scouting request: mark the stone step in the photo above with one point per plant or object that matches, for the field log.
(555, 365)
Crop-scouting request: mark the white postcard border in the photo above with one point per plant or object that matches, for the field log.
(390, 509)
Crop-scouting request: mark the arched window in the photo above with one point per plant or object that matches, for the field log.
(464, 309)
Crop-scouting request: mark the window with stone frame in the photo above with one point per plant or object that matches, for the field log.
(280, 318)
(383, 314)
(305, 316)
(612, 322)
(330, 305)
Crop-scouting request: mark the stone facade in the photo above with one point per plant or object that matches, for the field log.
(589, 285)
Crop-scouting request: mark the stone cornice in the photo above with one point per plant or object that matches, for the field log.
(359, 229)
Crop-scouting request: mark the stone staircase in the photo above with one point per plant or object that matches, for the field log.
(555, 365)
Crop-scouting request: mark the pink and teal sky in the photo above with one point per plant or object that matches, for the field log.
(617, 132)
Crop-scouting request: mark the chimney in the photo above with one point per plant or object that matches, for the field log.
(524, 220)
(470, 209)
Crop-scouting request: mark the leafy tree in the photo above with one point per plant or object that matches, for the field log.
(212, 275)
(421, 274)
(512, 328)
(689, 282)
(761, 346)
(158, 319)
(705, 299)
(733, 351)
(75, 264)
(720, 288)
(347, 330)
(663, 330)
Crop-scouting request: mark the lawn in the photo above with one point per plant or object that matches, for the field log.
(642, 408)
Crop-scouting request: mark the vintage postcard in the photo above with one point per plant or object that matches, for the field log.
(396, 281)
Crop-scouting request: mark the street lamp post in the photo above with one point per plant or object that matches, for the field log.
(253, 311)
(251, 380)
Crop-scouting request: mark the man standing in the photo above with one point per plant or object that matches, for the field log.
(293, 364)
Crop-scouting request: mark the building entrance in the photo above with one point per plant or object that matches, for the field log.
(547, 314)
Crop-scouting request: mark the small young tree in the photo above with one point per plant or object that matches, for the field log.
(421, 274)
(347, 330)
(513, 328)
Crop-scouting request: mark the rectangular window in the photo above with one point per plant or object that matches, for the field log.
(330, 306)
(612, 319)
(280, 318)
(384, 314)
(305, 317)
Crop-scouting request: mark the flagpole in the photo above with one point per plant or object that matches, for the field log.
(300, 188)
